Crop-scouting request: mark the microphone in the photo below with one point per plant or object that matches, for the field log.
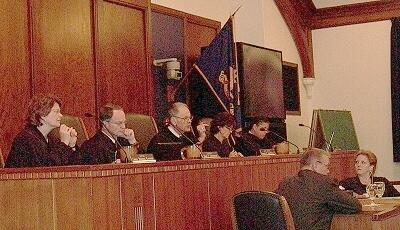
(186, 137)
(116, 139)
(328, 145)
(330, 141)
(284, 139)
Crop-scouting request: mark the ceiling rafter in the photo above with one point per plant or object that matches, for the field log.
(302, 17)
(355, 14)
(296, 16)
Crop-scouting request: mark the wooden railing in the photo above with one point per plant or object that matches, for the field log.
(189, 194)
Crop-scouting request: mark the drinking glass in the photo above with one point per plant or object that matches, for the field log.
(379, 189)
(371, 193)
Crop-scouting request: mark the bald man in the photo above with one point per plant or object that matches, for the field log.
(313, 196)
(167, 144)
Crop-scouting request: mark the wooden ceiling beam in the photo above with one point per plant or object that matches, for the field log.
(296, 16)
(355, 14)
(302, 17)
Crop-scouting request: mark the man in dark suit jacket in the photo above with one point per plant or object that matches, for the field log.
(102, 147)
(314, 197)
(167, 144)
(251, 142)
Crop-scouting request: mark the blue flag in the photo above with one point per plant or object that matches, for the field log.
(217, 65)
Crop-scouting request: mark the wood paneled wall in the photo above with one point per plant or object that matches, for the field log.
(86, 52)
(122, 69)
(62, 54)
(15, 80)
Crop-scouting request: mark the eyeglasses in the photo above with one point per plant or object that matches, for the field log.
(188, 119)
(229, 127)
(326, 165)
(117, 122)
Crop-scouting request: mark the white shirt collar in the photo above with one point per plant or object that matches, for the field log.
(173, 131)
(108, 135)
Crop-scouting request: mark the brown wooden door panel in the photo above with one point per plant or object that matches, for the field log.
(73, 207)
(197, 36)
(174, 190)
(63, 54)
(122, 61)
(224, 184)
(29, 206)
(106, 203)
(14, 70)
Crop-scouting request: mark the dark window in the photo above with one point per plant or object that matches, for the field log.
(291, 88)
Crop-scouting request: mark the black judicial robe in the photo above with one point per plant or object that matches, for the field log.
(99, 149)
(250, 145)
(212, 144)
(165, 146)
(30, 149)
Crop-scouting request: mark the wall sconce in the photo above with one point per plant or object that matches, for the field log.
(308, 83)
(172, 65)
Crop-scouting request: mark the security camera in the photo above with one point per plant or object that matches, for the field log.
(172, 66)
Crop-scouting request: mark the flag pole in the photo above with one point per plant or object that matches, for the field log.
(210, 86)
(237, 9)
(183, 80)
(236, 103)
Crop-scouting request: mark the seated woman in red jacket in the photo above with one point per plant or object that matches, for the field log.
(365, 166)
(33, 146)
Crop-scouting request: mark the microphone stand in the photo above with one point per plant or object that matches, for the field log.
(116, 139)
(328, 146)
(187, 138)
(119, 145)
(284, 139)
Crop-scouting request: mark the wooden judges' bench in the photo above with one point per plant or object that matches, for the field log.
(190, 194)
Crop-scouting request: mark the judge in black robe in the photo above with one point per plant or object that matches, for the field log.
(102, 147)
(220, 134)
(33, 146)
(168, 143)
(255, 139)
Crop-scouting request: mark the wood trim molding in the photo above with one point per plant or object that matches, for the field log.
(141, 4)
(305, 8)
(91, 171)
(355, 14)
(189, 17)
(383, 215)
(396, 182)
(309, 4)
(302, 17)
(300, 32)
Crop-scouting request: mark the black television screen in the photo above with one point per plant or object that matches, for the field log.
(261, 84)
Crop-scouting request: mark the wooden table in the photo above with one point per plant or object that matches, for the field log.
(385, 216)
(187, 194)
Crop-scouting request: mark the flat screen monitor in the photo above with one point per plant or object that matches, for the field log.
(261, 82)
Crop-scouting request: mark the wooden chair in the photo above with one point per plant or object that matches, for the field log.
(261, 210)
(77, 124)
(144, 127)
(2, 164)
